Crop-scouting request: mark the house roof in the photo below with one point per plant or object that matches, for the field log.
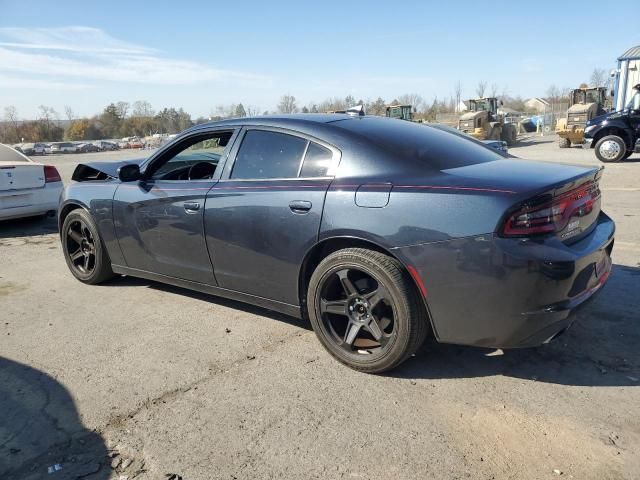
(631, 54)
(538, 99)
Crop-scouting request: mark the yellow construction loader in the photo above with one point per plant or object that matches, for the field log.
(483, 121)
(584, 104)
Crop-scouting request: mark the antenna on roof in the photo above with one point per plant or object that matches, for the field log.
(355, 111)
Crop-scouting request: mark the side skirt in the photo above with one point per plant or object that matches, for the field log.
(285, 308)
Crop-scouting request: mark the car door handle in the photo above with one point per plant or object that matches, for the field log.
(191, 207)
(300, 206)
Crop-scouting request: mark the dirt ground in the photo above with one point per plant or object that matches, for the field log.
(134, 379)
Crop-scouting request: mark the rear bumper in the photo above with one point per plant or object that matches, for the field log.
(30, 202)
(507, 293)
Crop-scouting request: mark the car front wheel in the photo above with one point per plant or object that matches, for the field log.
(610, 149)
(366, 310)
(83, 250)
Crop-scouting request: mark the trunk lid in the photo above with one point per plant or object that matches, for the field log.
(18, 176)
(536, 186)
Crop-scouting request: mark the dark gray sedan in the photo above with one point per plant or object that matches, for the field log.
(379, 231)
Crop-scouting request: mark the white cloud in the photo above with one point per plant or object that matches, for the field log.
(89, 54)
(9, 81)
(71, 39)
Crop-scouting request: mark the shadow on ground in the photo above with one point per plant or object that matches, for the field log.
(600, 348)
(224, 302)
(28, 227)
(41, 435)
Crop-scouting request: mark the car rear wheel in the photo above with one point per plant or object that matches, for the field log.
(83, 250)
(610, 149)
(365, 310)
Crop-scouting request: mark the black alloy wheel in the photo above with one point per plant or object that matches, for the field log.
(84, 252)
(81, 247)
(366, 310)
(356, 310)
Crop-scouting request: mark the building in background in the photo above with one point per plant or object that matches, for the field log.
(626, 76)
(537, 104)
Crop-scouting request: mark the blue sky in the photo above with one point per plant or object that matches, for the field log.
(201, 54)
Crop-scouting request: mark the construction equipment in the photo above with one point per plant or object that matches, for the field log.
(403, 112)
(484, 122)
(584, 104)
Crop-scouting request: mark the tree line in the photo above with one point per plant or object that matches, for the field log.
(123, 119)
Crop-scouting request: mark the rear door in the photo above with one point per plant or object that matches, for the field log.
(264, 215)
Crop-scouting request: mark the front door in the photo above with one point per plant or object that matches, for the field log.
(264, 215)
(159, 219)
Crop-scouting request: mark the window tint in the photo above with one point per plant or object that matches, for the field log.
(268, 155)
(317, 161)
(417, 142)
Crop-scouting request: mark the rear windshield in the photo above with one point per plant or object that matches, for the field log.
(435, 148)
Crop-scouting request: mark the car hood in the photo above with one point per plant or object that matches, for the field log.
(89, 170)
(607, 116)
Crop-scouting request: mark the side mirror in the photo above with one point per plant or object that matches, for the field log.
(129, 173)
(501, 103)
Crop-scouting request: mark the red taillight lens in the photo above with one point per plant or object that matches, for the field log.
(51, 174)
(551, 216)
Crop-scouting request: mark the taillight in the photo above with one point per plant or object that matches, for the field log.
(51, 174)
(551, 216)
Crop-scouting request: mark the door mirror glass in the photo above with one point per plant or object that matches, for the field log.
(129, 173)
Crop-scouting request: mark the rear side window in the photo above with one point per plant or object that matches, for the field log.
(268, 155)
(317, 161)
(420, 143)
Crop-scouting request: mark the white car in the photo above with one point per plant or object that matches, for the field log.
(27, 188)
(64, 147)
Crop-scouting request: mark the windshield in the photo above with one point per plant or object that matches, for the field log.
(479, 105)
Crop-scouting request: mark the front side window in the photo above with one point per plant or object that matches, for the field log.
(196, 158)
(265, 154)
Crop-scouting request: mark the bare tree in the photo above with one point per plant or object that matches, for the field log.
(457, 92)
(68, 111)
(599, 77)
(553, 93)
(412, 99)
(123, 109)
(481, 88)
(493, 92)
(11, 127)
(253, 111)
(11, 115)
(142, 108)
(287, 104)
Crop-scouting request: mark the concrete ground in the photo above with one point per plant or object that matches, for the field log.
(135, 379)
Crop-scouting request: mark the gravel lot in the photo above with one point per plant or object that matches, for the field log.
(156, 380)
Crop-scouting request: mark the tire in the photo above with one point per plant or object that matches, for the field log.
(627, 154)
(564, 142)
(610, 149)
(381, 288)
(83, 249)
